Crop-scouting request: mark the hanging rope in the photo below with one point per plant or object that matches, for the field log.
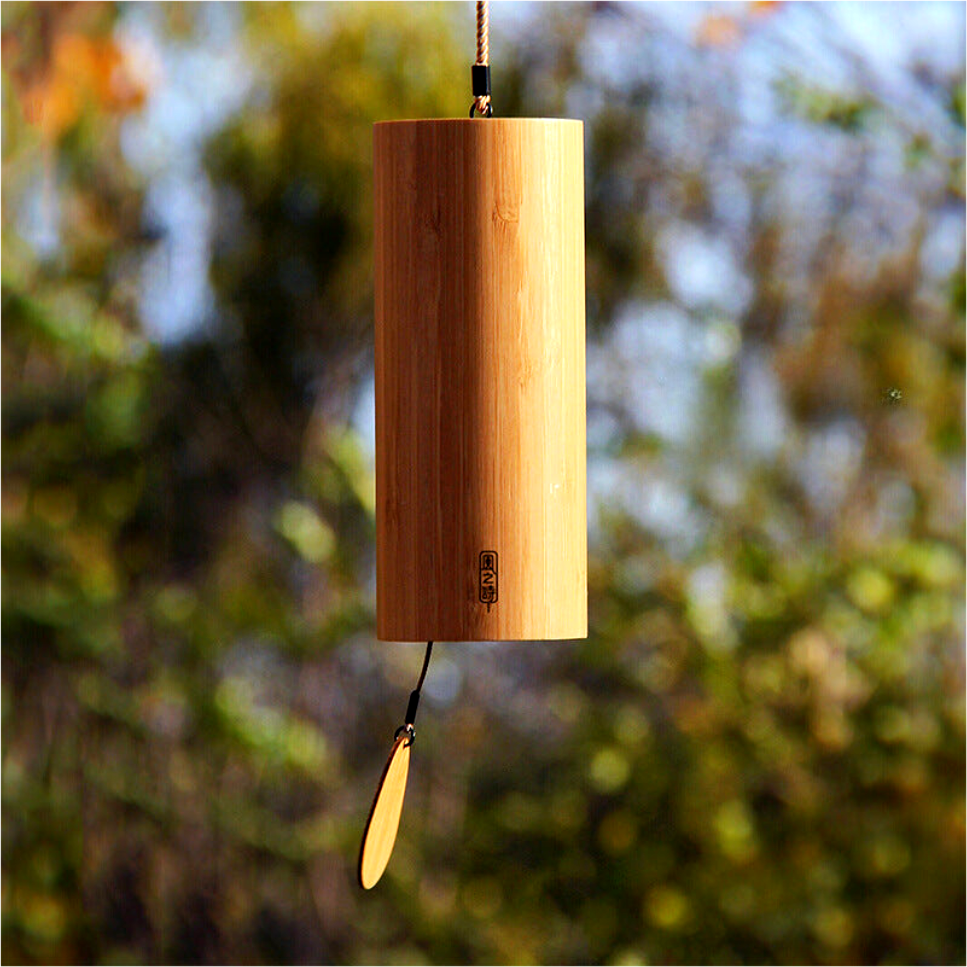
(480, 72)
(483, 32)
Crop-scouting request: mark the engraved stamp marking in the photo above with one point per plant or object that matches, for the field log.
(488, 578)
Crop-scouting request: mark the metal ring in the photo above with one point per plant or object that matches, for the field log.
(408, 729)
(489, 113)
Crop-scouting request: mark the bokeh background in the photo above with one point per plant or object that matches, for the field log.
(758, 754)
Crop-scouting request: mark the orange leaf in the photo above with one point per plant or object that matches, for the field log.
(82, 70)
(718, 30)
(51, 105)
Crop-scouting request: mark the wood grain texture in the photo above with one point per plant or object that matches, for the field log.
(480, 386)
(384, 818)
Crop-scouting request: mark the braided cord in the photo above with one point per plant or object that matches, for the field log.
(482, 103)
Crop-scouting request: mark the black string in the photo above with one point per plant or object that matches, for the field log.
(415, 694)
(426, 664)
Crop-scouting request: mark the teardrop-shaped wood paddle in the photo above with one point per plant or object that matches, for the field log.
(384, 817)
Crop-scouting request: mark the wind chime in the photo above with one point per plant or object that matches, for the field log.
(481, 516)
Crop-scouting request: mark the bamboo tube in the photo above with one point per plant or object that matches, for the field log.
(481, 512)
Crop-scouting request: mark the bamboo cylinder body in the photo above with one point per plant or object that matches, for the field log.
(481, 508)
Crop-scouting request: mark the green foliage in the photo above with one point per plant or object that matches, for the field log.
(295, 248)
(822, 105)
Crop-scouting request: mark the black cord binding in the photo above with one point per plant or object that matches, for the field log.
(414, 702)
(480, 79)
